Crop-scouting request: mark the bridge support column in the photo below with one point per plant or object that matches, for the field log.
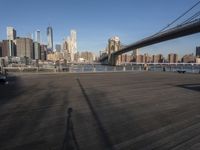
(112, 60)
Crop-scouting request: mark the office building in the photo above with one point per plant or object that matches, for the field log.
(157, 58)
(172, 58)
(70, 46)
(189, 58)
(139, 58)
(198, 52)
(24, 47)
(36, 50)
(8, 48)
(1, 49)
(11, 33)
(37, 36)
(43, 49)
(50, 39)
(146, 58)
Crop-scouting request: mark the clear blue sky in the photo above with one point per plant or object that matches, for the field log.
(98, 20)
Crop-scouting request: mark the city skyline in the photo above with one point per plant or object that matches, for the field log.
(95, 25)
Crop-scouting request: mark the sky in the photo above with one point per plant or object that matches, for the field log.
(97, 20)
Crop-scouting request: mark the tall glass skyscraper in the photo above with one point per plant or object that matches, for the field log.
(50, 38)
(37, 36)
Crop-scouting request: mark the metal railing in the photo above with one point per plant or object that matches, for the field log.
(126, 67)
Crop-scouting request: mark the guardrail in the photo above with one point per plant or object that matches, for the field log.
(126, 67)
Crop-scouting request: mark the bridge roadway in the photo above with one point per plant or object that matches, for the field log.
(119, 111)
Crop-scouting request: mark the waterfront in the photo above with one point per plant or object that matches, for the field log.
(126, 110)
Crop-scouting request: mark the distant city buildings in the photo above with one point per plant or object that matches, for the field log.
(25, 47)
(50, 38)
(86, 57)
(22, 48)
(55, 56)
(70, 46)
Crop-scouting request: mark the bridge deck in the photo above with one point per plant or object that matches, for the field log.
(139, 110)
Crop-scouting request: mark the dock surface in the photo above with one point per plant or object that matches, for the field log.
(110, 111)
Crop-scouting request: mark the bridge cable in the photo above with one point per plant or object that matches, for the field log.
(191, 18)
(182, 15)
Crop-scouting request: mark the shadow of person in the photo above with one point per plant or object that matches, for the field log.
(70, 142)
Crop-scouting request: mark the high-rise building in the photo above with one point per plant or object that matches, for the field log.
(139, 58)
(70, 46)
(198, 51)
(172, 58)
(5, 48)
(37, 36)
(66, 53)
(73, 44)
(36, 50)
(157, 58)
(50, 38)
(8, 48)
(43, 49)
(11, 33)
(146, 58)
(1, 49)
(24, 47)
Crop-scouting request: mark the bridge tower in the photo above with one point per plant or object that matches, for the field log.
(113, 46)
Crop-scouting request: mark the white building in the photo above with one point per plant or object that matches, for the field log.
(11, 33)
(70, 45)
(73, 44)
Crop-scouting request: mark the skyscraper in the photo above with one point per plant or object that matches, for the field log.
(1, 49)
(11, 33)
(8, 48)
(50, 38)
(37, 36)
(73, 44)
(36, 50)
(198, 51)
(70, 46)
